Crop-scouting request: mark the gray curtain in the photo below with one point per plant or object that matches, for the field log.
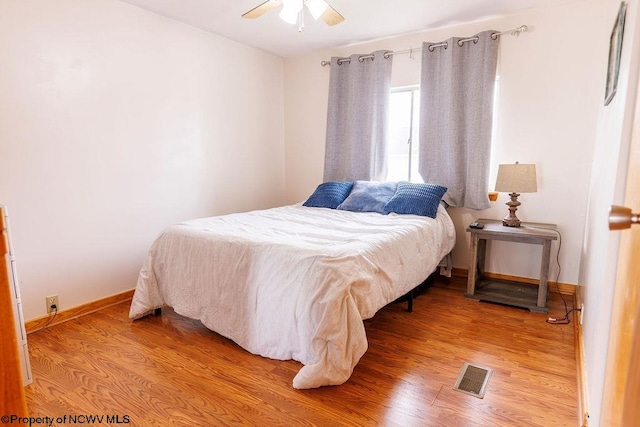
(357, 118)
(456, 114)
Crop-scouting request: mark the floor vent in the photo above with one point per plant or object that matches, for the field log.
(473, 380)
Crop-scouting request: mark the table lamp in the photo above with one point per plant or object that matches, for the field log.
(515, 179)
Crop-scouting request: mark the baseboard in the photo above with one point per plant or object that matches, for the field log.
(78, 311)
(90, 307)
(583, 407)
(562, 288)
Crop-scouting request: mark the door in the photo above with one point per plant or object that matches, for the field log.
(12, 400)
(620, 406)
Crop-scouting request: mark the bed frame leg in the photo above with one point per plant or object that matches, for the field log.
(157, 311)
(410, 302)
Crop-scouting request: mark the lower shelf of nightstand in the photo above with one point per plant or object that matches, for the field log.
(517, 294)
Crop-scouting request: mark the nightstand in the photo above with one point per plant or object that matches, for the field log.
(531, 296)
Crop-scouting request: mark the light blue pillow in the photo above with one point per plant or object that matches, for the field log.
(416, 199)
(329, 195)
(369, 196)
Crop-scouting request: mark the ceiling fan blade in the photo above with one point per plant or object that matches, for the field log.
(262, 8)
(331, 16)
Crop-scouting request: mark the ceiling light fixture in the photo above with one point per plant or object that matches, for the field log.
(293, 11)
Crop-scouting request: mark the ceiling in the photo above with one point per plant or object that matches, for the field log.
(365, 20)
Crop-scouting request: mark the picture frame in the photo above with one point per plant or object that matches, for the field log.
(615, 50)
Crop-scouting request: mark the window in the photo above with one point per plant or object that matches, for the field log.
(403, 131)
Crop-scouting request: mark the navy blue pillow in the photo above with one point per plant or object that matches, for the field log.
(416, 199)
(369, 196)
(329, 195)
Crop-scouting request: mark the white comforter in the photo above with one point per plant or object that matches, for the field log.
(292, 282)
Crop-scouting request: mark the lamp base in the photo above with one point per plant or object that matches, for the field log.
(512, 220)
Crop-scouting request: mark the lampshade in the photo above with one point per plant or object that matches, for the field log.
(517, 178)
(316, 7)
(290, 10)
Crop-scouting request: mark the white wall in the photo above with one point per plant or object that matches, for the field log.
(551, 85)
(600, 249)
(116, 122)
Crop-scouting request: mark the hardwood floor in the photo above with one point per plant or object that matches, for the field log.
(169, 370)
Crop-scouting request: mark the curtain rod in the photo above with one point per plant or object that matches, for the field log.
(514, 32)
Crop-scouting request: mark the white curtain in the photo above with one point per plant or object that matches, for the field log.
(357, 117)
(456, 114)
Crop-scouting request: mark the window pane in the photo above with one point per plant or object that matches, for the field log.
(403, 143)
(400, 132)
(415, 144)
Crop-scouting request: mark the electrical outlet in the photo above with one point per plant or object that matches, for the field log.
(581, 312)
(52, 303)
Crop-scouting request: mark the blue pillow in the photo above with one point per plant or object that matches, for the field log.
(329, 195)
(369, 196)
(416, 199)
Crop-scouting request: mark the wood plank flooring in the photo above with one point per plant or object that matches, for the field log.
(169, 370)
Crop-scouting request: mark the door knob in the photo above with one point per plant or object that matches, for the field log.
(621, 218)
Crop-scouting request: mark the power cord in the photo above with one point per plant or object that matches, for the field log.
(55, 312)
(563, 320)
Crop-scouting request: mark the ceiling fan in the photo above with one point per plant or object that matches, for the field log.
(292, 11)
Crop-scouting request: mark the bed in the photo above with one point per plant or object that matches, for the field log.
(293, 282)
